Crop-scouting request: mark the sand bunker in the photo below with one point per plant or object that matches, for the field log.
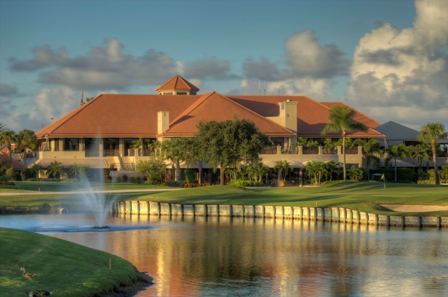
(415, 207)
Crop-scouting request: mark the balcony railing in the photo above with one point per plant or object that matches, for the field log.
(111, 152)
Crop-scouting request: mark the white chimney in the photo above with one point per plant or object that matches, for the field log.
(163, 121)
(288, 114)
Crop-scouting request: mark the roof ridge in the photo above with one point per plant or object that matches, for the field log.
(255, 113)
(75, 112)
(192, 107)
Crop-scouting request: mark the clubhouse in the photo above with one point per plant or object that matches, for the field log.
(101, 133)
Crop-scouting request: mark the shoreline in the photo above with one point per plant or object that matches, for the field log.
(323, 214)
(63, 268)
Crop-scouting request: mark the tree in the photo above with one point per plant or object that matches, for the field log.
(227, 144)
(316, 171)
(283, 169)
(341, 121)
(152, 170)
(356, 174)
(26, 141)
(35, 169)
(7, 138)
(175, 150)
(138, 145)
(395, 152)
(419, 153)
(55, 169)
(430, 133)
(2, 127)
(371, 149)
(256, 171)
(195, 155)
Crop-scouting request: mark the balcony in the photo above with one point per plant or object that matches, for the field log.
(298, 156)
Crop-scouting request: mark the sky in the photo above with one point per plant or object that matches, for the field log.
(389, 59)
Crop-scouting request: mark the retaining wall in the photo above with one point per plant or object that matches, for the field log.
(333, 214)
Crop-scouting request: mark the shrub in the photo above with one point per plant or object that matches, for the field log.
(241, 182)
(356, 174)
(136, 179)
(152, 170)
(444, 174)
(172, 183)
(10, 173)
(190, 176)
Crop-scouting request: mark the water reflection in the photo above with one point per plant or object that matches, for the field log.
(247, 257)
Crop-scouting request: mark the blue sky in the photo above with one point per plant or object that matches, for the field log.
(211, 40)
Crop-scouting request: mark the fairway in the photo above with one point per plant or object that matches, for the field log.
(363, 196)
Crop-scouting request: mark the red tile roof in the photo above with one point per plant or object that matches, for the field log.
(117, 115)
(312, 115)
(216, 107)
(178, 83)
(132, 116)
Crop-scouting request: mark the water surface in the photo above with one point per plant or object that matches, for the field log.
(270, 257)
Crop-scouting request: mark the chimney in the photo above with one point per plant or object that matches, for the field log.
(288, 114)
(163, 121)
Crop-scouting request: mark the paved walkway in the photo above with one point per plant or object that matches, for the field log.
(35, 193)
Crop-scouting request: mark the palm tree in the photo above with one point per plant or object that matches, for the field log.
(419, 153)
(341, 121)
(55, 169)
(26, 141)
(2, 127)
(316, 170)
(430, 133)
(282, 170)
(138, 145)
(7, 138)
(395, 152)
(371, 149)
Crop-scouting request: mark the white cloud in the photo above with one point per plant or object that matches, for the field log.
(109, 67)
(308, 58)
(316, 88)
(403, 74)
(310, 69)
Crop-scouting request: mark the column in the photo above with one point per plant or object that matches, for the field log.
(82, 145)
(61, 144)
(121, 147)
(100, 147)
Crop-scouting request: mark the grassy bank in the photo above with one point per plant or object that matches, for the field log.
(61, 186)
(364, 196)
(64, 268)
(48, 203)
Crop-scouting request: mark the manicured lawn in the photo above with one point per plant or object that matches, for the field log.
(65, 268)
(37, 203)
(55, 186)
(365, 196)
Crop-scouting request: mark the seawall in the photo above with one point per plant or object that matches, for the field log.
(331, 214)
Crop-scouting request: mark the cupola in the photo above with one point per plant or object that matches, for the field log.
(177, 85)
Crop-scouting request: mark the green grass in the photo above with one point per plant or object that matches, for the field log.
(65, 268)
(364, 196)
(32, 204)
(58, 186)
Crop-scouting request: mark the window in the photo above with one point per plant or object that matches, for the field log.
(92, 147)
(71, 144)
(111, 146)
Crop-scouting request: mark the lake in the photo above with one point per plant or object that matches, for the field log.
(256, 257)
